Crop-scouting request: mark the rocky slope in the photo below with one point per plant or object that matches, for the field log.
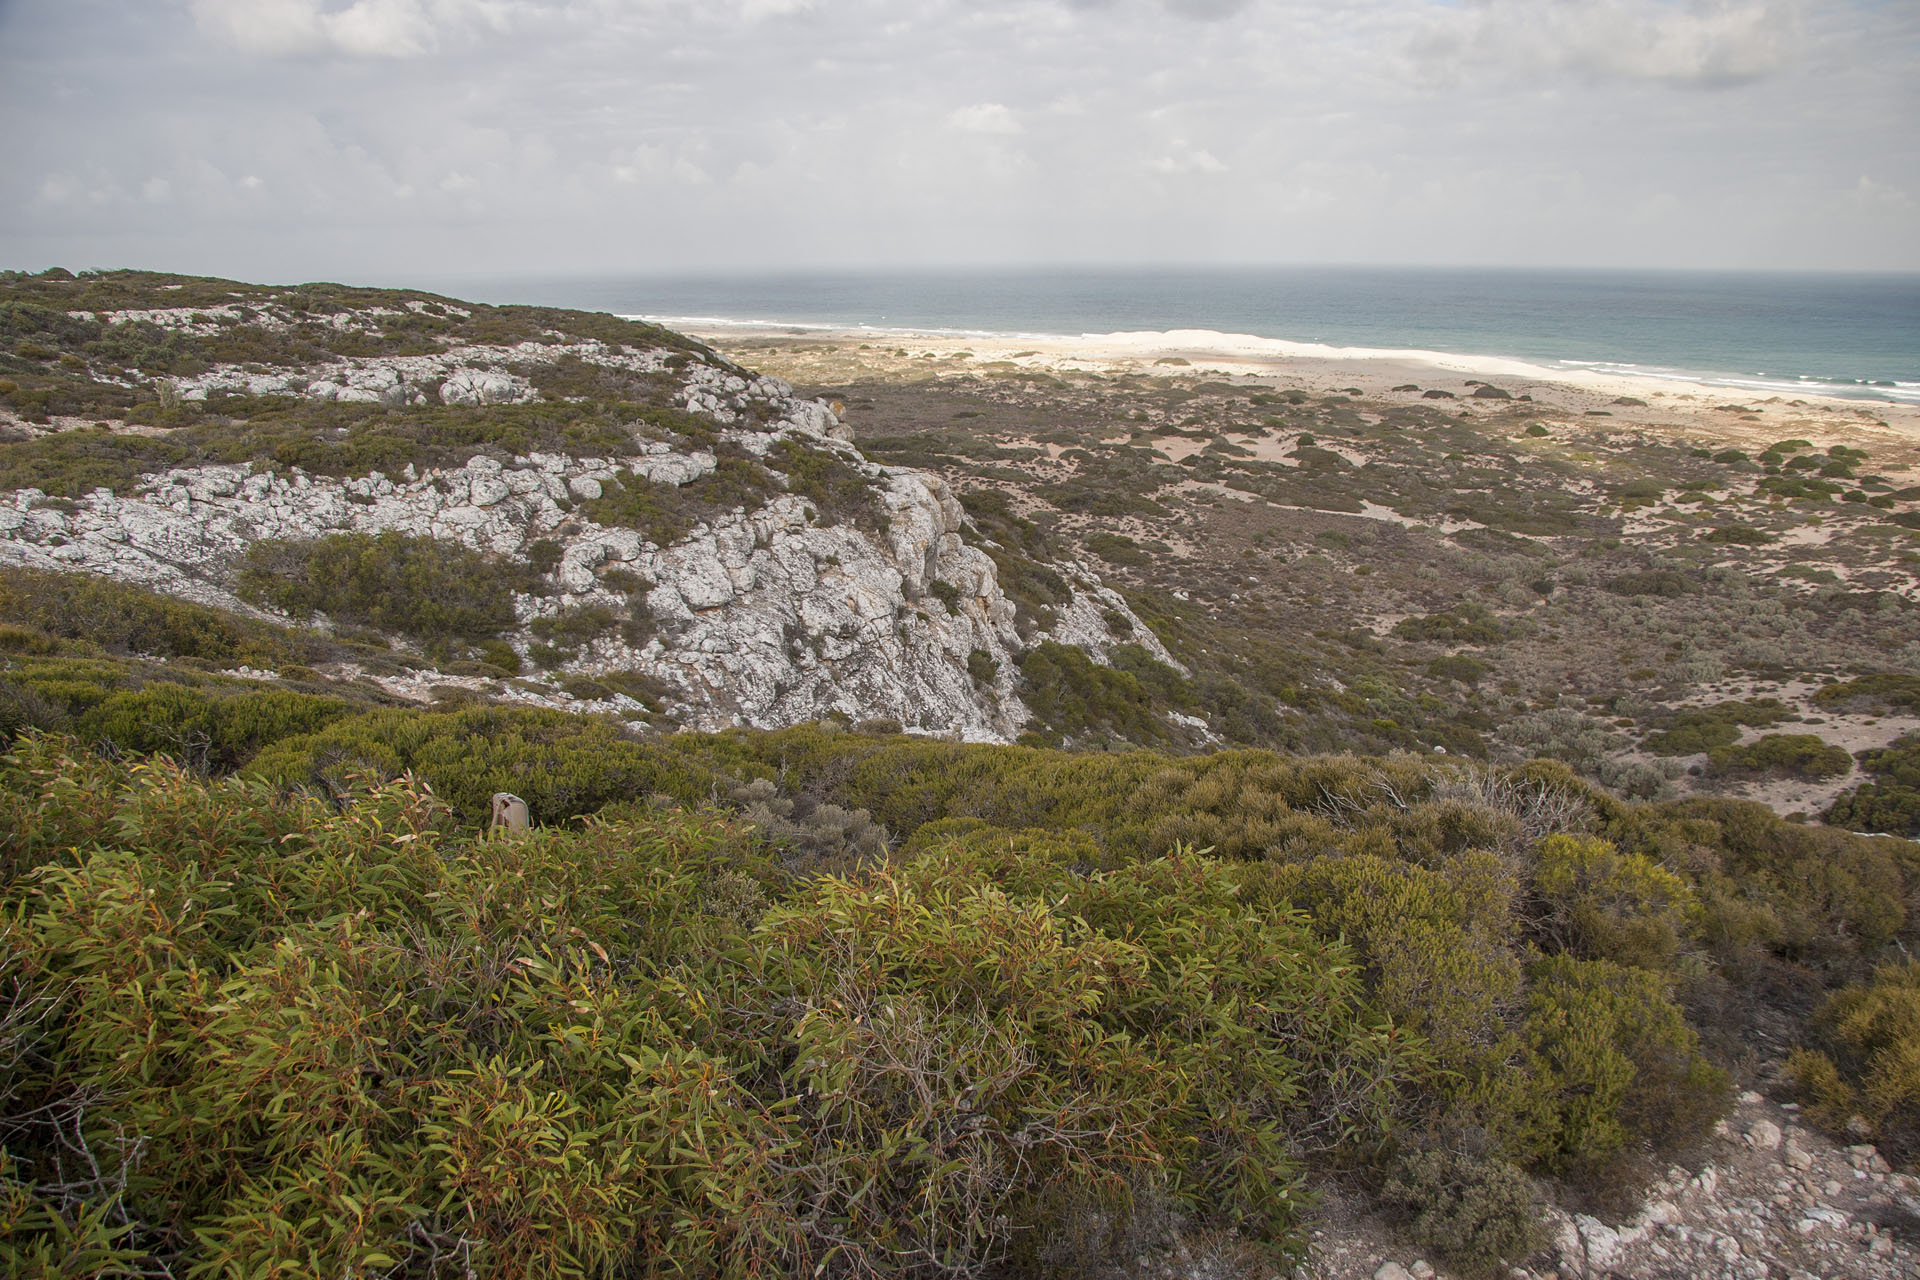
(1768, 1200)
(763, 615)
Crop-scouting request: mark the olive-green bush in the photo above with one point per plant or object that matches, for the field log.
(440, 593)
(1796, 755)
(1865, 1059)
(1474, 1210)
(564, 766)
(1891, 801)
(285, 1038)
(121, 618)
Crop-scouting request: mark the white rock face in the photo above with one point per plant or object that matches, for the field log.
(764, 618)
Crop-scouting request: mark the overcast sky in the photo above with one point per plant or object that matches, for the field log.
(382, 139)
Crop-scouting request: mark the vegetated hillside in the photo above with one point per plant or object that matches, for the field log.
(826, 1001)
(519, 504)
(1635, 591)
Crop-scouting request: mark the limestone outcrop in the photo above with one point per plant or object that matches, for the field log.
(763, 617)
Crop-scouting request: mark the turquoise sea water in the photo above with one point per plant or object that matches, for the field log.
(1825, 334)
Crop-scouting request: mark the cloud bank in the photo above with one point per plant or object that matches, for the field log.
(366, 138)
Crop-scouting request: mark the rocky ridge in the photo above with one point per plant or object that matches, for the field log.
(764, 617)
(1770, 1200)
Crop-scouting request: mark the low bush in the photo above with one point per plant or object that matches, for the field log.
(288, 1038)
(1738, 535)
(1794, 755)
(842, 493)
(1468, 624)
(563, 766)
(1072, 696)
(439, 593)
(665, 513)
(1867, 1060)
(1886, 692)
(1600, 904)
(1652, 582)
(1476, 1211)
(125, 619)
(1891, 801)
(1697, 729)
(1611, 1063)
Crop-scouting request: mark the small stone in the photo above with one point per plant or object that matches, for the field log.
(1763, 1135)
(1392, 1271)
(1421, 1269)
(1750, 1098)
(1795, 1158)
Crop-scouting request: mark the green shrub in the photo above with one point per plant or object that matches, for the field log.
(1739, 535)
(209, 733)
(841, 492)
(1797, 755)
(356, 1038)
(1611, 1062)
(1460, 667)
(440, 593)
(1438, 944)
(1117, 548)
(1652, 582)
(1601, 904)
(1697, 729)
(563, 766)
(121, 618)
(666, 513)
(1468, 624)
(1072, 695)
(1891, 802)
(981, 668)
(1868, 1063)
(1886, 692)
(575, 626)
(1816, 895)
(1474, 1210)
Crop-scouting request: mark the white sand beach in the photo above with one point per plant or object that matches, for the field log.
(1668, 405)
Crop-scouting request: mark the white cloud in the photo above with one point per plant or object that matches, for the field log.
(626, 134)
(652, 165)
(381, 29)
(1879, 197)
(357, 28)
(263, 26)
(985, 117)
(1183, 158)
(754, 10)
(1701, 43)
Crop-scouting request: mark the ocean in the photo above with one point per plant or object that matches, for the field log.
(1856, 336)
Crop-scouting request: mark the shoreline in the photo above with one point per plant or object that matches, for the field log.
(1760, 415)
(1220, 344)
